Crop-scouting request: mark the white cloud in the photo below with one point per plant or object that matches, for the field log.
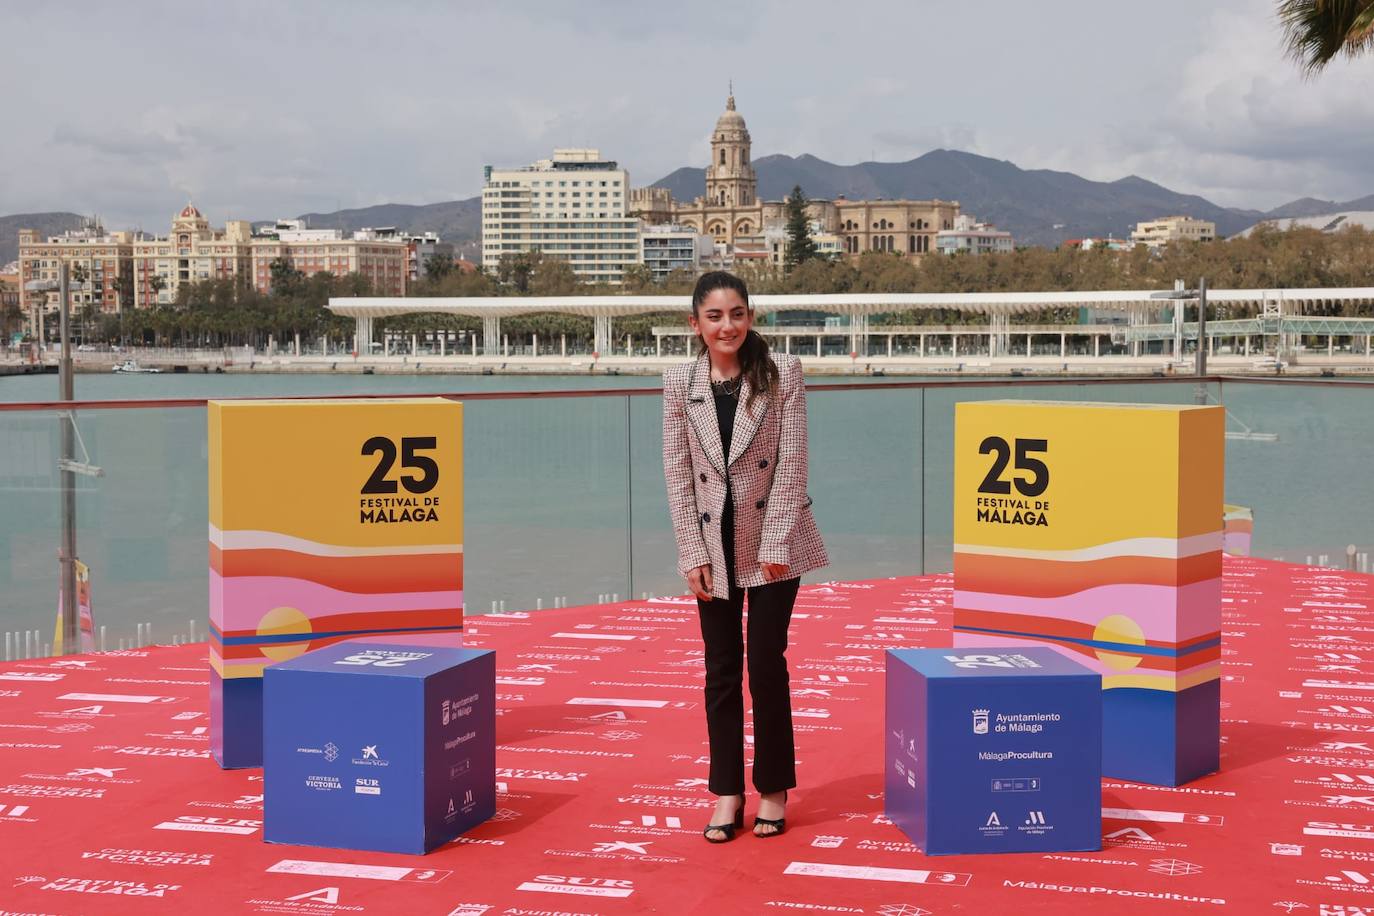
(259, 109)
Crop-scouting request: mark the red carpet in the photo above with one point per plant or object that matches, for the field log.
(110, 804)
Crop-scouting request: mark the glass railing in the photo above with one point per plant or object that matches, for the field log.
(564, 495)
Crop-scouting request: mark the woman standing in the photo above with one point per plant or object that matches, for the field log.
(734, 455)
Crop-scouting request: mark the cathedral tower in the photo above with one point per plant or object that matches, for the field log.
(730, 179)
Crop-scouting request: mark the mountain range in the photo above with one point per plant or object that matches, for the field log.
(1038, 206)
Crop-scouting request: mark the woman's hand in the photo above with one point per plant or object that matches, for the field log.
(774, 572)
(699, 581)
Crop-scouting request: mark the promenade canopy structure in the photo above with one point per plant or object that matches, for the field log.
(1281, 312)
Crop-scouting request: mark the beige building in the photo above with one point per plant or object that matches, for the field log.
(9, 292)
(1155, 233)
(731, 213)
(573, 207)
(99, 271)
(382, 262)
(191, 253)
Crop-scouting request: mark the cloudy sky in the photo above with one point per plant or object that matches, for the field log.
(259, 109)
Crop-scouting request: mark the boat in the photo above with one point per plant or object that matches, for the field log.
(131, 365)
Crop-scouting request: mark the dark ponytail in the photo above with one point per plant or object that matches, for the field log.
(754, 362)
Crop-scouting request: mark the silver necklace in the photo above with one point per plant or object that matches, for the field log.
(727, 386)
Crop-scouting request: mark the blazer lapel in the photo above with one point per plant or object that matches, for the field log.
(701, 412)
(747, 422)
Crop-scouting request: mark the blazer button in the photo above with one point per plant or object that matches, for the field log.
(763, 463)
(703, 477)
(706, 517)
(758, 505)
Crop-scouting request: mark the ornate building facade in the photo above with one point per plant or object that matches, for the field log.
(191, 253)
(730, 212)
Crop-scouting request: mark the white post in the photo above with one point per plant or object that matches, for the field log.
(1028, 344)
(1330, 344)
(1097, 345)
(535, 344)
(818, 345)
(889, 346)
(658, 345)
(922, 352)
(787, 345)
(414, 345)
(1063, 345)
(474, 344)
(954, 346)
(297, 343)
(505, 345)
(563, 345)
(629, 345)
(1366, 344)
(443, 343)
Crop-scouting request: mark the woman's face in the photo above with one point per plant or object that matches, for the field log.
(723, 321)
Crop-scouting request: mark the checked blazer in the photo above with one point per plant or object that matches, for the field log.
(767, 468)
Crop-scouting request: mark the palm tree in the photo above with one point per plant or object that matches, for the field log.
(1316, 31)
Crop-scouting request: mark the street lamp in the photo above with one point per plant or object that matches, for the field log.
(67, 463)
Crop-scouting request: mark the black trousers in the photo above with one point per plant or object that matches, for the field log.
(770, 613)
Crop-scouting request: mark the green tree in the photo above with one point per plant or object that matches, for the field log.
(1317, 31)
(285, 278)
(638, 280)
(800, 246)
(554, 277)
(515, 270)
(438, 266)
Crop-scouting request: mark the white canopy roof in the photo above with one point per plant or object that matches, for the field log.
(836, 304)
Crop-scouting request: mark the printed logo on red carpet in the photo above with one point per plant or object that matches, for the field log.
(26, 790)
(875, 873)
(195, 823)
(354, 870)
(108, 886)
(16, 814)
(87, 774)
(632, 850)
(582, 886)
(322, 901)
(153, 857)
(119, 698)
(547, 775)
(142, 750)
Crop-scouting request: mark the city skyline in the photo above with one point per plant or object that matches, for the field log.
(406, 103)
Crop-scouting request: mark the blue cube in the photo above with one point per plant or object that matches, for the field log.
(379, 747)
(989, 750)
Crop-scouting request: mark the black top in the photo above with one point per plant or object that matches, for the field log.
(725, 415)
(725, 418)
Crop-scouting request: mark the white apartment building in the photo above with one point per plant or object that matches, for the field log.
(666, 248)
(1155, 233)
(969, 235)
(571, 207)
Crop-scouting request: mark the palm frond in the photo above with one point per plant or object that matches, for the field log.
(1317, 31)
